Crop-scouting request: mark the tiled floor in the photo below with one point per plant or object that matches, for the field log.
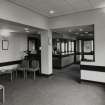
(60, 89)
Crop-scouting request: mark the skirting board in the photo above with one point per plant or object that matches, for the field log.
(93, 68)
(46, 75)
(81, 80)
(9, 63)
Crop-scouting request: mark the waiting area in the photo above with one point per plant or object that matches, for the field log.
(24, 66)
(52, 52)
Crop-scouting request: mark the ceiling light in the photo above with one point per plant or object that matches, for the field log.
(81, 29)
(77, 33)
(26, 29)
(6, 32)
(51, 12)
(86, 32)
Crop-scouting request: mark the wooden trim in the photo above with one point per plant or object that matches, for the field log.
(93, 68)
(9, 63)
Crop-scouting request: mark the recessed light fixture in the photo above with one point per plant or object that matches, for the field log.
(86, 32)
(26, 29)
(81, 29)
(51, 12)
(6, 32)
(76, 33)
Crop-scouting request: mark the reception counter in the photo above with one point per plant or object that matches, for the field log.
(91, 71)
(61, 61)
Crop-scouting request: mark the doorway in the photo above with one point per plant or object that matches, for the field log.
(71, 45)
(34, 51)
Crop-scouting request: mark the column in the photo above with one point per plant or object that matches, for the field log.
(46, 52)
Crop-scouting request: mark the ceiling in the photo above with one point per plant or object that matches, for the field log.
(61, 7)
(17, 28)
(84, 31)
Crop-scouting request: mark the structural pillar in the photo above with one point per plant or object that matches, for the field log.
(46, 53)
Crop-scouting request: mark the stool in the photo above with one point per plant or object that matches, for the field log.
(3, 93)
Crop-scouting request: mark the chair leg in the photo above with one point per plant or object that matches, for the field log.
(16, 74)
(24, 74)
(3, 95)
(34, 75)
(11, 75)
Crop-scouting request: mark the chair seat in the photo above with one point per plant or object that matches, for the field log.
(3, 94)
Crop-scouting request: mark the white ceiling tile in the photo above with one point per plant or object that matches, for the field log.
(80, 5)
(98, 3)
(61, 7)
(44, 6)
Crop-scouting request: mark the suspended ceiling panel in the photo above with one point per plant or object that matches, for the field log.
(61, 7)
(18, 28)
(76, 31)
(98, 3)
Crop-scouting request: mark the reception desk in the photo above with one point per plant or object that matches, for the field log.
(91, 71)
(61, 61)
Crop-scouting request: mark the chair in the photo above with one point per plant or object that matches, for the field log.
(23, 67)
(10, 69)
(3, 93)
(33, 67)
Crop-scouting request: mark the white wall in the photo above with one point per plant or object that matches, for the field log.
(12, 12)
(96, 17)
(17, 44)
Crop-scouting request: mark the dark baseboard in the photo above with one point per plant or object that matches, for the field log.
(93, 68)
(57, 68)
(46, 75)
(77, 62)
(61, 67)
(95, 82)
(9, 63)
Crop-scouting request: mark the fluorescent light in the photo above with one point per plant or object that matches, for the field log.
(76, 33)
(86, 32)
(81, 29)
(51, 12)
(26, 29)
(6, 32)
